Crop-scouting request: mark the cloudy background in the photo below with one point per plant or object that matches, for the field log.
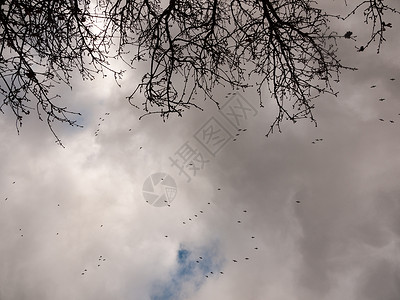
(342, 241)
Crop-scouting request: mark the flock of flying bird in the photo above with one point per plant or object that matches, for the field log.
(100, 259)
(96, 133)
(197, 216)
(383, 99)
(200, 212)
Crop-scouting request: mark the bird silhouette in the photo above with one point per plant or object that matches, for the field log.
(297, 201)
(391, 121)
(373, 86)
(222, 272)
(382, 120)
(234, 260)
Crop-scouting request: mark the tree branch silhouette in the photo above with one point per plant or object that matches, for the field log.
(286, 48)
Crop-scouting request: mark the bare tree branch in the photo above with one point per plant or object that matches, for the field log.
(286, 48)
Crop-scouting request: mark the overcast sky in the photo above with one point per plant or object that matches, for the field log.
(67, 210)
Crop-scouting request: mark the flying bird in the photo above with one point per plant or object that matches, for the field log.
(381, 120)
(234, 260)
(391, 121)
(373, 86)
(297, 201)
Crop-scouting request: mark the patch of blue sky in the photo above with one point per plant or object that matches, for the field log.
(188, 272)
